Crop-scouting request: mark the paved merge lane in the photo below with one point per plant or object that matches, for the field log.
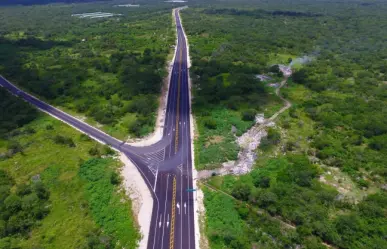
(165, 166)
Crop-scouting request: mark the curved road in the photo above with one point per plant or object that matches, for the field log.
(165, 166)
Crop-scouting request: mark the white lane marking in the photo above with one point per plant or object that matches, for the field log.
(170, 93)
(157, 173)
(168, 221)
(154, 195)
(186, 137)
(165, 210)
(187, 165)
(178, 207)
(173, 87)
(161, 217)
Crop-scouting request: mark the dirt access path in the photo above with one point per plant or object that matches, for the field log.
(248, 142)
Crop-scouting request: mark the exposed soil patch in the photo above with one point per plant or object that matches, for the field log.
(214, 140)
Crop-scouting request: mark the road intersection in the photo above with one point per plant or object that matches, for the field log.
(166, 166)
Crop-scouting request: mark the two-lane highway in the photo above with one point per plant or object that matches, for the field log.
(165, 166)
(173, 215)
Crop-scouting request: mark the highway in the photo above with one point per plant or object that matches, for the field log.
(165, 166)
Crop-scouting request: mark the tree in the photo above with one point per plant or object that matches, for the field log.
(13, 203)
(115, 178)
(241, 191)
(299, 76)
(264, 182)
(210, 123)
(378, 142)
(41, 190)
(249, 115)
(266, 198)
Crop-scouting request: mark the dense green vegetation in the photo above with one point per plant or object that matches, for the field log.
(349, 111)
(51, 194)
(109, 69)
(20, 209)
(9, 106)
(227, 92)
(288, 187)
(322, 169)
(106, 205)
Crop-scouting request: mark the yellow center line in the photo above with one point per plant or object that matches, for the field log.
(172, 233)
(178, 105)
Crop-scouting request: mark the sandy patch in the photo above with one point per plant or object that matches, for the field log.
(142, 201)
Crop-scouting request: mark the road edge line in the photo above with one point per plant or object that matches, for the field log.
(192, 128)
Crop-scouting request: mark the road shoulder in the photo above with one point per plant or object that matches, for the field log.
(142, 201)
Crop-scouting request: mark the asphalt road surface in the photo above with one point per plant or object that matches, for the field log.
(165, 166)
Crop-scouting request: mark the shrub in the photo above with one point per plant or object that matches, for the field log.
(378, 142)
(107, 150)
(210, 123)
(84, 138)
(241, 191)
(14, 147)
(249, 115)
(58, 139)
(94, 151)
(115, 178)
(273, 138)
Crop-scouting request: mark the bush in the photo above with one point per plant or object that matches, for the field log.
(14, 147)
(84, 138)
(263, 182)
(275, 69)
(241, 191)
(94, 151)
(290, 146)
(378, 142)
(106, 205)
(115, 178)
(107, 150)
(273, 138)
(210, 123)
(20, 210)
(58, 139)
(249, 115)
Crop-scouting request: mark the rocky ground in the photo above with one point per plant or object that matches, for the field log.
(251, 139)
